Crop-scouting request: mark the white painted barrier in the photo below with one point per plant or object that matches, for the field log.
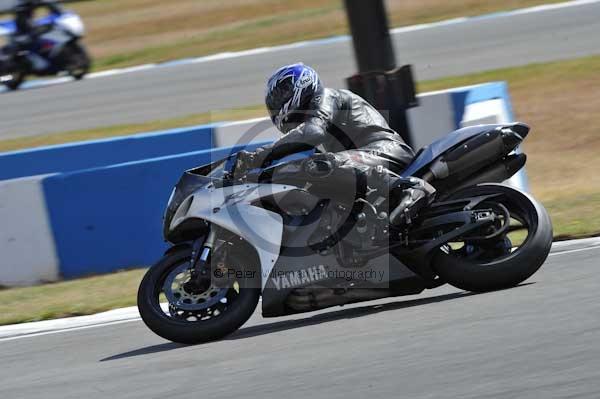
(244, 132)
(485, 112)
(27, 253)
(432, 119)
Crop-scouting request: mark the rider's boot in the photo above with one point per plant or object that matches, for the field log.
(412, 200)
(408, 195)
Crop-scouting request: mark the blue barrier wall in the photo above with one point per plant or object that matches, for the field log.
(110, 218)
(92, 154)
(465, 96)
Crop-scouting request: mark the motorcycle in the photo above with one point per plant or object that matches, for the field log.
(274, 233)
(57, 49)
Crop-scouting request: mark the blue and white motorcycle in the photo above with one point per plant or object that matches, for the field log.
(56, 50)
(275, 233)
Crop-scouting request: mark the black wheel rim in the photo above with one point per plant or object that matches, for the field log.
(172, 301)
(521, 227)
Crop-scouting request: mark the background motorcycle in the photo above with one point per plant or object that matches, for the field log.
(57, 49)
(268, 233)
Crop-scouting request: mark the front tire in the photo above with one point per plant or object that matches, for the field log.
(181, 330)
(78, 61)
(494, 269)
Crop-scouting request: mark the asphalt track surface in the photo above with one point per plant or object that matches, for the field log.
(539, 340)
(473, 45)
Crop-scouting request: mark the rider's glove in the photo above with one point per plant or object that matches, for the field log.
(248, 160)
(261, 156)
(245, 159)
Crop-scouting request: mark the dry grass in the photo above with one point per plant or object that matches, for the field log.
(127, 32)
(69, 298)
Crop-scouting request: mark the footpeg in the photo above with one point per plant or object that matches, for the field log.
(414, 199)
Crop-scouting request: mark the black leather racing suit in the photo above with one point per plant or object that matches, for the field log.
(359, 146)
(341, 121)
(25, 33)
(24, 13)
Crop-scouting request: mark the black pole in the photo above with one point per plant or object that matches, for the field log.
(389, 89)
(371, 35)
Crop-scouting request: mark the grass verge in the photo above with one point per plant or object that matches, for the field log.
(69, 298)
(123, 130)
(559, 100)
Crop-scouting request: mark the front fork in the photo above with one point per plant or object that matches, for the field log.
(201, 252)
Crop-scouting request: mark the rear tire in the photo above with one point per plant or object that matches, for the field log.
(189, 332)
(510, 269)
(16, 80)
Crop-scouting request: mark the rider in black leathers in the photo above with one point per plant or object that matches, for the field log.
(25, 32)
(24, 13)
(355, 136)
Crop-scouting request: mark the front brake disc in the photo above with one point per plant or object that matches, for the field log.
(178, 297)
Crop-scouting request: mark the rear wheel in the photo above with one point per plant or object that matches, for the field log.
(13, 79)
(506, 253)
(187, 315)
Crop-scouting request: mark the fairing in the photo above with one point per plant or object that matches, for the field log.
(71, 23)
(231, 209)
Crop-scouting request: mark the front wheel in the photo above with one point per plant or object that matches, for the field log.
(504, 260)
(78, 62)
(194, 317)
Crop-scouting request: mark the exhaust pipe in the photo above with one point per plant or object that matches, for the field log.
(494, 174)
(475, 154)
